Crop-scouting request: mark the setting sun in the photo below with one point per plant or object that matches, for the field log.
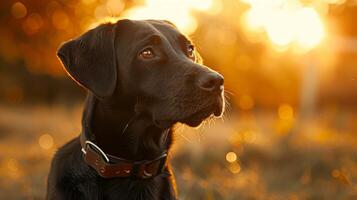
(286, 23)
(177, 11)
(234, 99)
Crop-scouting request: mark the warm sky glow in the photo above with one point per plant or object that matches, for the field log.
(176, 11)
(286, 22)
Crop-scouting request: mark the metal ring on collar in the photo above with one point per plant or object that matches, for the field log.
(96, 148)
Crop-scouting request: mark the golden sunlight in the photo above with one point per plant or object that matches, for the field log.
(286, 23)
(285, 112)
(18, 10)
(234, 168)
(177, 11)
(231, 157)
(45, 141)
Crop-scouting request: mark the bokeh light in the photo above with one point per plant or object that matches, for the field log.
(32, 24)
(60, 19)
(249, 136)
(18, 10)
(286, 112)
(231, 157)
(13, 165)
(45, 141)
(246, 102)
(235, 168)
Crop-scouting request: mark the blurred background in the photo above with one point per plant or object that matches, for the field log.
(290, 67)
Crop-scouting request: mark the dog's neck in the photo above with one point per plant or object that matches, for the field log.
(122, 132)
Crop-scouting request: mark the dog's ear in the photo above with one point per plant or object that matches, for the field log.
(91, 61)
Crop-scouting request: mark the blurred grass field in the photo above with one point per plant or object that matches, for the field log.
(289, 67)
(242, 156)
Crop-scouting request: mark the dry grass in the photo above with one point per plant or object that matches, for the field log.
(315, 159)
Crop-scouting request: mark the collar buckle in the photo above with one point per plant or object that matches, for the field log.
(96, 148)
(108, 166)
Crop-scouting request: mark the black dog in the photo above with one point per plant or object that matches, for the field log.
(142, 77)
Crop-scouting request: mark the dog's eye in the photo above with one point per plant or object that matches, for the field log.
(147, 53)
(191, 52)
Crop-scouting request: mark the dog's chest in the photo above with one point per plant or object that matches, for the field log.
(133, 189)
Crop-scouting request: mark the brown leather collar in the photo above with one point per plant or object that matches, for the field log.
(108, 166)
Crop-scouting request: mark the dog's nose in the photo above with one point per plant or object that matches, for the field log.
(211, 82)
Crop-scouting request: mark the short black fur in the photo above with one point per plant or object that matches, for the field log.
(148, 96)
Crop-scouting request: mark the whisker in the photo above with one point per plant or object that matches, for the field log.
(222, 118)
(186, 138)
(228, 104)
(229, 92)
(226, 96)
(210, 120)
(199, 133)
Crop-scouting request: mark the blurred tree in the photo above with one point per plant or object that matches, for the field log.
(260, 77)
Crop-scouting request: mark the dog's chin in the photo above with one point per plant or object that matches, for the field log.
(198, 117)
(194, 122)
(164, 124)
(195, 118)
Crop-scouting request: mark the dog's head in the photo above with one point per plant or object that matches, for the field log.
(149, 62)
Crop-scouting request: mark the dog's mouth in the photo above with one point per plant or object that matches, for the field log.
(199, 116)
(195, 118)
